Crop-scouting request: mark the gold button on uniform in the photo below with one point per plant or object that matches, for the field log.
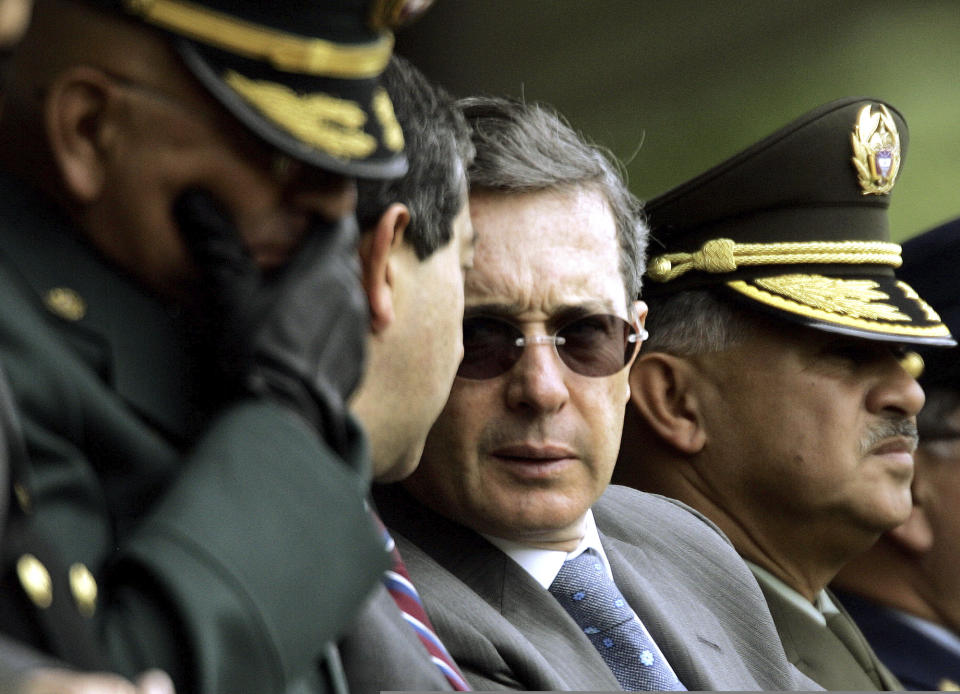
(66, 303)
(84, 589)
(35, 580)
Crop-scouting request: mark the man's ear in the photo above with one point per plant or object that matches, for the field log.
(661, 390)
(376, 246)
(79, 115)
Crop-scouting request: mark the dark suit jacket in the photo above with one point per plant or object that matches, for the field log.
(836, 657)
(226, 549)
(918, 660)
(693, 592)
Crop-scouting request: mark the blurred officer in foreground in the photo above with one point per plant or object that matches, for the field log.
(416, 240)
(904, 592)
(536, 574)
(771, 395)
(181, 326)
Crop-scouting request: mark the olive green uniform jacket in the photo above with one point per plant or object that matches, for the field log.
(228, 550)
(836, 656)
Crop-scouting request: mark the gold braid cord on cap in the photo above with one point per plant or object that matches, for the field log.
(725, 255)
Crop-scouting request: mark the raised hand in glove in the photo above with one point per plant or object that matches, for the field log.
(296, 335)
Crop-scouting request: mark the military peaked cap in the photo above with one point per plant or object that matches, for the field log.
(301, 74)
(797, 226)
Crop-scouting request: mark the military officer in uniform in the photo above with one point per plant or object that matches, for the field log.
(774, 394)
(181, 325)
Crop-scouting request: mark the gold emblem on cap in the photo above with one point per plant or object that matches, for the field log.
(84, 589)
(35, 580)
(319, 120)
(876, 150)
(66, 303)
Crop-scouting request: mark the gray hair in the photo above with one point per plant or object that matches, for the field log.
(693, 322)
(528, 147)
(438, 150)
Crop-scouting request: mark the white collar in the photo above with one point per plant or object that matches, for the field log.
(544, 564)
(818, 610)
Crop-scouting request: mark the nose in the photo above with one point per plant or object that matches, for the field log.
(895, 391)
(537, 381)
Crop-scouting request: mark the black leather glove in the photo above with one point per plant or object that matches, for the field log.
(297, 335)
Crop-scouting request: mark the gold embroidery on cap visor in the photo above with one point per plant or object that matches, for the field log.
(876, 150)
(725, 255)
(322, 121)
(392, 132)
(289, 52)
(831, 300)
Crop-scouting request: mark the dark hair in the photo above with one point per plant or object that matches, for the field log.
(529, 147)
(438, 148)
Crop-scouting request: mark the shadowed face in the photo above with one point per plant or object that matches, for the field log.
(523, 455)
(808, 429)
(170, 136)
(936, 491)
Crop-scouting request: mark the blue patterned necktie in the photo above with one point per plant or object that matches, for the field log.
(591, 597)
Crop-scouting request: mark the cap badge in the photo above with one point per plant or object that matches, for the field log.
(876, 150)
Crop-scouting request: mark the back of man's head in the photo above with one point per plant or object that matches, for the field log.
(438, 150)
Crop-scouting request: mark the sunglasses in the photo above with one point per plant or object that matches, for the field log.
(596, 345)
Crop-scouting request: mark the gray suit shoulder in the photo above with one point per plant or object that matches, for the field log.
(621, 509)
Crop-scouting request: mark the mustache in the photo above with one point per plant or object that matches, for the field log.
(888, 429)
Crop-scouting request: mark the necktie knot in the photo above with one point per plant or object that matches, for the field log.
(592, 599)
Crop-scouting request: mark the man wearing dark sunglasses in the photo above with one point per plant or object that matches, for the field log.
(776, 395)
(511, 494)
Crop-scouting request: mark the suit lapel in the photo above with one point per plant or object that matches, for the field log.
(557, 650)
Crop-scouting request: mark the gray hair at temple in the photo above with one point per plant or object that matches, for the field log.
(695, 321)
(528, 147)
(438, 149)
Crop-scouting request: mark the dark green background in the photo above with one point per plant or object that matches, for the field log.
(674, 86)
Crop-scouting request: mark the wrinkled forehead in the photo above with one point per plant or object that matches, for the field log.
(544, 250)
